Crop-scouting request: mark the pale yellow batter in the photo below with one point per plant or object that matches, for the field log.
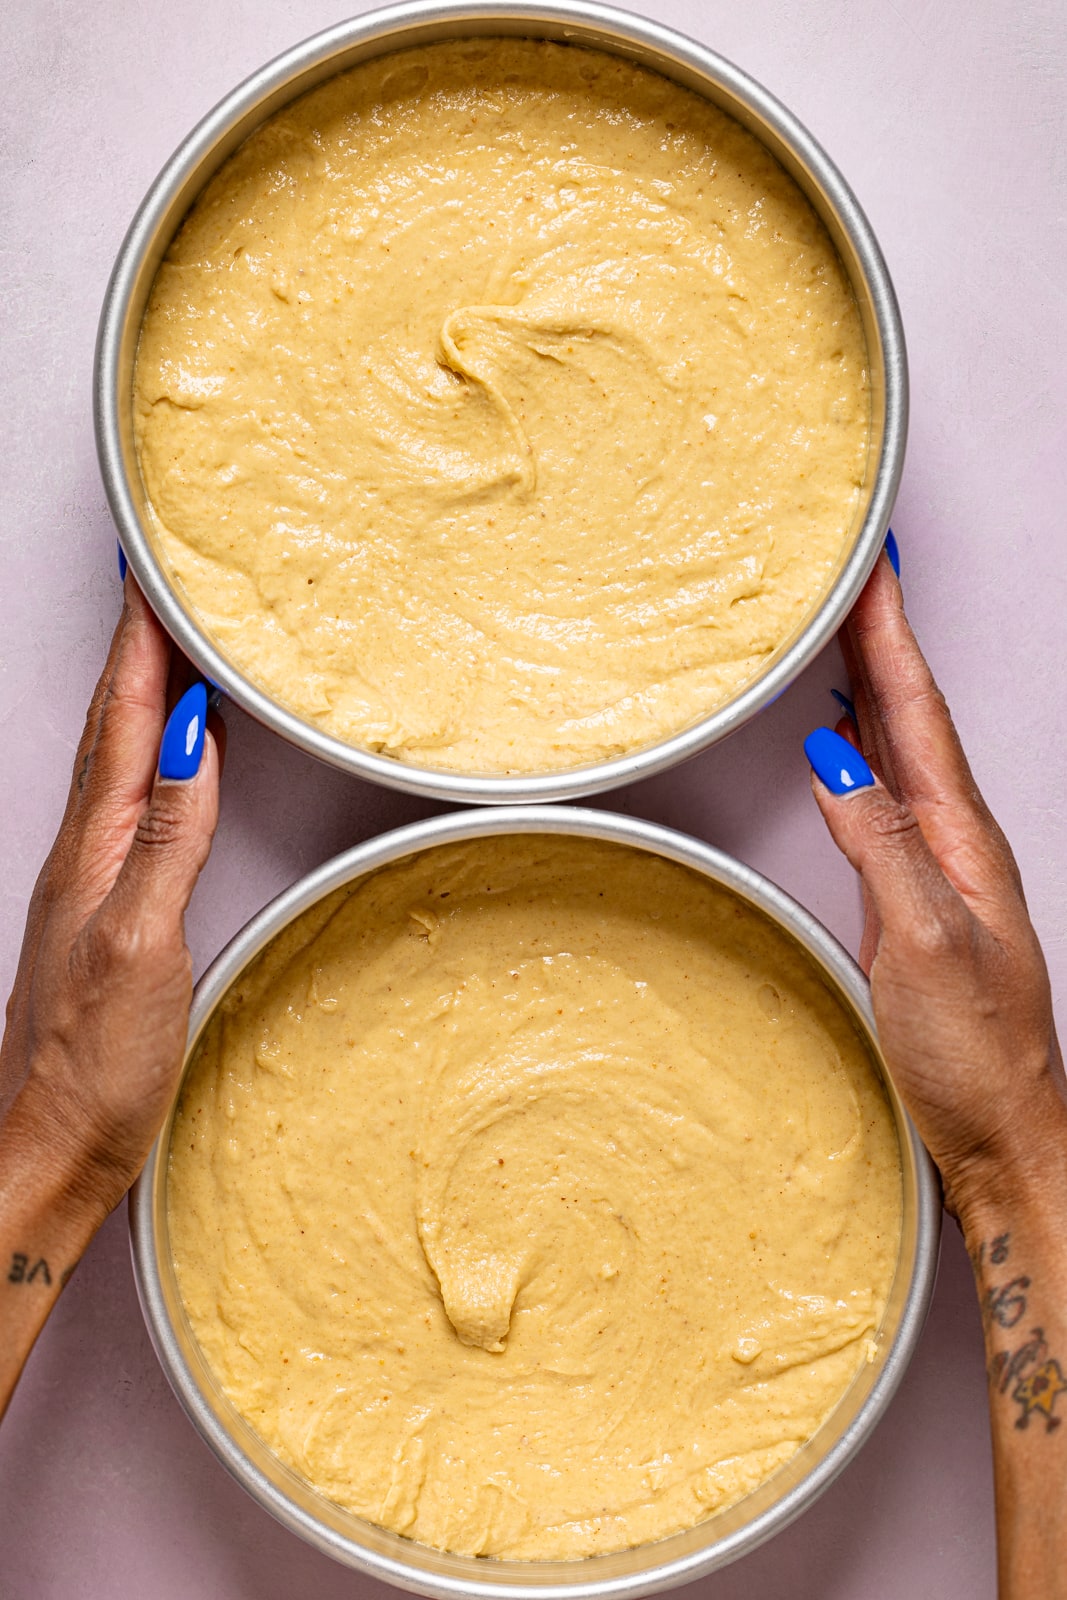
(534, 1198)
(503, 407)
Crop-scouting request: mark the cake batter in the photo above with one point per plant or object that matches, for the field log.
(502, 407)
(534, 1198)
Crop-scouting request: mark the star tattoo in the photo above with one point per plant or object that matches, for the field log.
(1038, 1393)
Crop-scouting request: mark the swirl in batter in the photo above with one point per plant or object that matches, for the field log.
(502, 407)
(534, 1198)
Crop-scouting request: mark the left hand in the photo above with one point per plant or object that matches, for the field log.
(958, 981)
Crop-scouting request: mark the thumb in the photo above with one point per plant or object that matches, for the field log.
(175, 831)
(882, 839)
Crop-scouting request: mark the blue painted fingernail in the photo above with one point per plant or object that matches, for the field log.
(846, 705)
(892, 550)
(182, 745)
(837, 763)
(123, 563)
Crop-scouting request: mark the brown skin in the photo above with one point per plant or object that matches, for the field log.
(964, 1012)
(97, 1021)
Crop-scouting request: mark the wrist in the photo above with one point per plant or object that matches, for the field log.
(1022, 1180)
(49, 1212)
(56, 1169)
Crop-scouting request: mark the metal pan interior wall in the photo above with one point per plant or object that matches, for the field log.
(644, 1569)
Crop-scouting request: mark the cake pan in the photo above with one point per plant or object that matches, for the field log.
(422, 22)
(644, 1569)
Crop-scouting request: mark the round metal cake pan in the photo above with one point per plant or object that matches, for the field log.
(645, 1569)
(397, 28)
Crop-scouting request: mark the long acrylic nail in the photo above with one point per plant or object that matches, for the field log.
(123, 563)
(182, 745)
(846, 706)
(836, 763)
(892, 550)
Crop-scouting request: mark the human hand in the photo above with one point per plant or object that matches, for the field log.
(97, 1020)
(958, 981)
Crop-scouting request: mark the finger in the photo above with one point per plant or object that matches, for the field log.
(882, 839)
(174, 834)
(114, 780)
(96, 705)
(872, 933)
(181, 676)
(846, 729)
(180, 679)
(921, 756)
(122, 761)
(872, 734)
(71, 874)
(216, 726)
(904, 699)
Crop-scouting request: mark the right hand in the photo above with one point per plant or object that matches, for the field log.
(97, 1020)
(958, 980)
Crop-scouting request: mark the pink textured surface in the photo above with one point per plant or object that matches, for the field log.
(946, 121)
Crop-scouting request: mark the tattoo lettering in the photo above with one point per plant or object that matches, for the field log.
(1008, 1366)
(992, 1250)
(1006, 1304)
(1002, 1303)
(22, 1272)
(1033, 1378)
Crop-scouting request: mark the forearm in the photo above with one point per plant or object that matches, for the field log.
(48, 1214)
(1017, 1238)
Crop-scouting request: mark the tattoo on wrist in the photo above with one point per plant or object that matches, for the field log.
(1027, 1373)
(994, 1250)
(25, 1269)
(1006, 1303)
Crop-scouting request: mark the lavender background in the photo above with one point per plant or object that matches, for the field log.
(947, 120)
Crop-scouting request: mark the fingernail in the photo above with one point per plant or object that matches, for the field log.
(123, 563)
(836, 763)
(182, 745)
(846, 705)
(892, 550)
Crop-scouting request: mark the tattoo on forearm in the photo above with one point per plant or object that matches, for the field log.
(23, 1272)
(994, 1250)
(1008, 1366)
(24, 1269)
(1032, 1378)
(1007, 1303)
